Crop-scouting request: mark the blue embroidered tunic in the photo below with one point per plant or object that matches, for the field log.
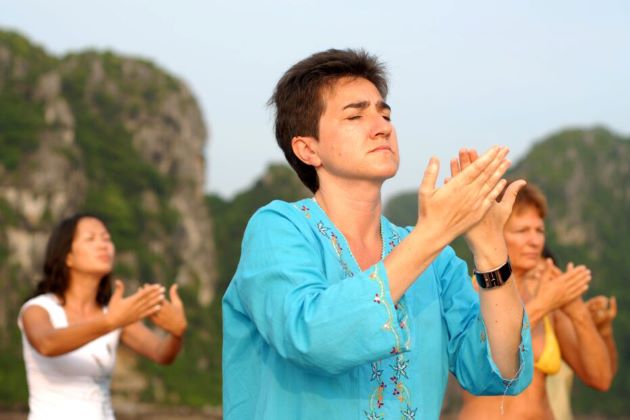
(308, 335)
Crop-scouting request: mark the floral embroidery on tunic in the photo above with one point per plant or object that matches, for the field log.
(401, 365)
(397, 314)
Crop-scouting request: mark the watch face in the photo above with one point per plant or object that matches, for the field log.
(494, 278)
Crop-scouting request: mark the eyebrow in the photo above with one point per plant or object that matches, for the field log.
(365, 104)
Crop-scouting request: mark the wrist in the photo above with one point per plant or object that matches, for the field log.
(109, 321)
(179, 332)
(605, 331)
(427, 233)
(577, 310)
(489, 255)
(495, 277)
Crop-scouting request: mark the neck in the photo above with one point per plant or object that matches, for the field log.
(354, 209)
(82, 290)
(517, 276)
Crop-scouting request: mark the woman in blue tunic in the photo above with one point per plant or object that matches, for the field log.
(334, 312)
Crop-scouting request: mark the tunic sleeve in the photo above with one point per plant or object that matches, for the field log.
(325, 325)
(470, 358)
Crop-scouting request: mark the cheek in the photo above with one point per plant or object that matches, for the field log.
(511, 241)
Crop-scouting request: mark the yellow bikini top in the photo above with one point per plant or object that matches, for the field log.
(549, 360)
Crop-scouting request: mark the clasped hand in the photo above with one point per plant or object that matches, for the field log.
(147, 302)
(467, 203)
(561, 290)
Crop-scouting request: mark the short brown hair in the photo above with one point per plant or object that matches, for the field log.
(299, 102)
(530, 196)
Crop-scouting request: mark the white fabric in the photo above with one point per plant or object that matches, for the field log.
(75, 385)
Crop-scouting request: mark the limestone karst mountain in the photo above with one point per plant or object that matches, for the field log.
(118, 136)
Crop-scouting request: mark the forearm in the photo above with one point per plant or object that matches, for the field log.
(411, 257)
(611, 346)
(501, 307)
(168, 349)
(594, 361)
(536, 311)
(502, 312)
(58, 341)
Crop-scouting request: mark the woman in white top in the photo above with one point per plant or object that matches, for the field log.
(71, 327)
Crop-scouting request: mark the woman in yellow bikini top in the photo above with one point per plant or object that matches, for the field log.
(555, 304)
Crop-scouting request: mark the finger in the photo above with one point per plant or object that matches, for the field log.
(472, 155)
(155, 299)
(464, 158)
(455, 169)
(598, 316)
(492, 197)
(597, 302)
(472, 172)
(148, 292)
(496, 169)
(150, 311)
(430, 177)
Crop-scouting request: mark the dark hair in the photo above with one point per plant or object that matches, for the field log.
(56, 274)
(298, 98)
(546, 253)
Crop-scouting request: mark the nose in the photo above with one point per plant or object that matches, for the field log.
(380, 126)
(536, 239)
(104, 244)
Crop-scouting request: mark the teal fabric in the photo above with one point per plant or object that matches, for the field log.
(308, 335)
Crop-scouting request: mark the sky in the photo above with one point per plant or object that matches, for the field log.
(462, 74)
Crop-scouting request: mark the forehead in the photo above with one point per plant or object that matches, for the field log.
(526, 216)
(90, 225)
(350, 89)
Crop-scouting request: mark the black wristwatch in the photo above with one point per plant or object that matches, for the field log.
(494, 278)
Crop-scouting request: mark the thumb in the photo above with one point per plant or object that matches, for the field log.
(119, 289)
(612, 302)
(430, 177)
(173, 294)
(511, 192)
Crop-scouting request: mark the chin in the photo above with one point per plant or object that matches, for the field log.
(387, 172)
(524, 266)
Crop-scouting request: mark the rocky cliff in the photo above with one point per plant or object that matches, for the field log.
(95, 131)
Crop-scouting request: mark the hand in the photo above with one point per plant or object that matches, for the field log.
(576, 306)
(145, 302)
(557, 289)
(171, 317)
(462, 202)
(485, 238)
(603, 311)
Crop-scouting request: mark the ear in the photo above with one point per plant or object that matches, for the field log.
(69, 260)
(305, 148)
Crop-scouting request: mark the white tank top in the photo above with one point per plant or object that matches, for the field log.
(75, 385)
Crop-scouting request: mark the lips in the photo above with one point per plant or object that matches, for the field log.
(382, 148)
(105, 258)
